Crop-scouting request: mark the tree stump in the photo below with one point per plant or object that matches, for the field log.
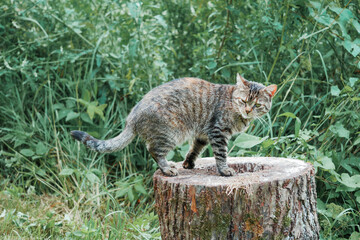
(268, 198)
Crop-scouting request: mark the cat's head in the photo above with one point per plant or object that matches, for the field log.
(253, 99)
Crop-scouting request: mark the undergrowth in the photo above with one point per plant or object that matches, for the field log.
(67, 65)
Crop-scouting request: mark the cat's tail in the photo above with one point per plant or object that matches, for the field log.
(115, 144)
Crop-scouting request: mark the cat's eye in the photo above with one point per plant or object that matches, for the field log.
(257, 105)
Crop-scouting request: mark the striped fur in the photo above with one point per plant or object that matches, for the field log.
(189, 108)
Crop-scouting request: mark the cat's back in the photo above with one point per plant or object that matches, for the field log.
(177, 86)
(179, 99)
(179, 91)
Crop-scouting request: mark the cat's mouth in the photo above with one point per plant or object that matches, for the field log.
(250, 115)
(245, 116)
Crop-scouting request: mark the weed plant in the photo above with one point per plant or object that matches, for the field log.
(67, 65)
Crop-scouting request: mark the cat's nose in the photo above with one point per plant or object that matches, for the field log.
(248, 110)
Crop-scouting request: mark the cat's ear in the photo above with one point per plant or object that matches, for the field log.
(241, 82)
(271, 90)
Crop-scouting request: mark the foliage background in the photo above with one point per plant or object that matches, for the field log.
(76, 64)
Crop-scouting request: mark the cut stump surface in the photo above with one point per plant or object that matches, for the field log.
(268, 198)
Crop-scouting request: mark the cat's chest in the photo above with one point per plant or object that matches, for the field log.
(241, 124)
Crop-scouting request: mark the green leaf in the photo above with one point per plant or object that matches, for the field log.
(184, 149)
(277, 25)
(85, 117)
(324, 19)
(335, 211)
(348, 167)
(356, 25)
(92, 177)
(288, 114)
(134, 9)
(225, 73)
(121, 193)
(248, 141)
(316, 5)
(140, 188)
(357, 141)
(297, 127)
(41, 172)
(133, 46)
(335, 91)
(100, 110)
(347, 45)
(130, 194)
(27, 152)
(98, 60)
(78, 233)
(356, 47)
(195, 69)
(325, 163)
(96, 171)
(353, 181)
(71, 115)
(86, 96)
(347, 89)
(340, 130)
(345, 16)
(62, 113)
(93, 108)
(353, 47)
(170, 155)
(58, 106)
(40, 148)
(267, 143)
(211, 65)
(353, 81)
(66, 172)
(355, 236)
(160, 19)
(70, 104)
(357, 195)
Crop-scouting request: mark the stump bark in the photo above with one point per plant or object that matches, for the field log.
(268, 198)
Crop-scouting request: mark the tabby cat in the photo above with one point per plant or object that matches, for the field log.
(189, 108)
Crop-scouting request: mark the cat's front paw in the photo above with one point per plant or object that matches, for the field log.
(170, 172)
(172, 164)
(227, 172)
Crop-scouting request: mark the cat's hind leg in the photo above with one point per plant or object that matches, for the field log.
(198, 145)
(159, 154)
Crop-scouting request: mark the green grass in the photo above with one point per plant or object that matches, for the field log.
(68, 65)
(29, 216)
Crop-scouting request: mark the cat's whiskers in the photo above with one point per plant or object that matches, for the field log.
(257, 118)
(262, 121)
(265, 122)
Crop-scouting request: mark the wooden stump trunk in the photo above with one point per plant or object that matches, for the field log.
(269, 198)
